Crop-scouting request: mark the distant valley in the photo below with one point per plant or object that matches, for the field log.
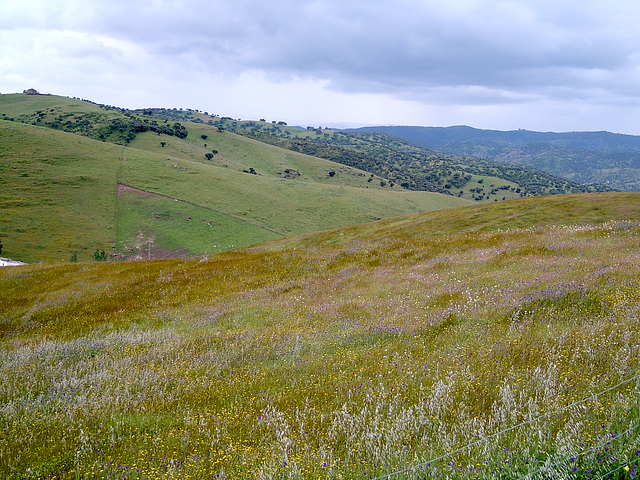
(583, 157)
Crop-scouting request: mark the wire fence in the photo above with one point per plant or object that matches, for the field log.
(529, 475)
(568, 458)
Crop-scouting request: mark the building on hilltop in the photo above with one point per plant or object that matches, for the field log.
(31, 91)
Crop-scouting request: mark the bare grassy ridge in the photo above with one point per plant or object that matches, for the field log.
(348, 358)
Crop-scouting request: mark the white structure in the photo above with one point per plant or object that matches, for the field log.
(7, 262)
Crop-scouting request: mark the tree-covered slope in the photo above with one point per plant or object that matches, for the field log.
(412, 166)
(588, 158)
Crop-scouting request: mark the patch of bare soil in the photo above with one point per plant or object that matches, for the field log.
(122, 188)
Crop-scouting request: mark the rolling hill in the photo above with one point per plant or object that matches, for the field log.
(492, 341)
(584, 157)
(79, 178)
(411, 166)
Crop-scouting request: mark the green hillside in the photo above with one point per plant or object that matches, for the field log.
(546, 211)
(73, 182)
(57, 193)
(409, 165)
(495, 341)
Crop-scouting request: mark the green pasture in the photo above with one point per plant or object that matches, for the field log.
(59, 194)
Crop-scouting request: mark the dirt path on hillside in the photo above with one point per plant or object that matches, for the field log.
(122, 189)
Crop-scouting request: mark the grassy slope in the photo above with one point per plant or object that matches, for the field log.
(59, 189)
(313, 201)
(57, 192)
(520, 213)
(15, 105)
(371, 348)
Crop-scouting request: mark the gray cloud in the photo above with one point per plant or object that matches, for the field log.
(392, 45)
(466, 52)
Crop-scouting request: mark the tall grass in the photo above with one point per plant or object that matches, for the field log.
(345, 360)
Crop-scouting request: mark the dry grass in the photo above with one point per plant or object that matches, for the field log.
(348, 360)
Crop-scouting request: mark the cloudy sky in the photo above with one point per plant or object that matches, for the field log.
(552, 65)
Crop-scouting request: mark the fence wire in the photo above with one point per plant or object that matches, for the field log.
(514, 427)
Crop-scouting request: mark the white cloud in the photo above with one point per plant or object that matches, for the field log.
(528, 62)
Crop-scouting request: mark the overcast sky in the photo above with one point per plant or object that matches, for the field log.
(551, 65)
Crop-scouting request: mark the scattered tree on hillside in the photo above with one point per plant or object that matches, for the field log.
(100, 256)
(208, 155)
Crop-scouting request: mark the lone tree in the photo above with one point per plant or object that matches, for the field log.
(209, 156)
(0, 245)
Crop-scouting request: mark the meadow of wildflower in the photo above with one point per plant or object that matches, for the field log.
(467, 345)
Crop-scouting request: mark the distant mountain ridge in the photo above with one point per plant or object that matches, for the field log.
(436, 137)
(584, 157)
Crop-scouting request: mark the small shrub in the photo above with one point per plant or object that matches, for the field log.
(99, 256)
